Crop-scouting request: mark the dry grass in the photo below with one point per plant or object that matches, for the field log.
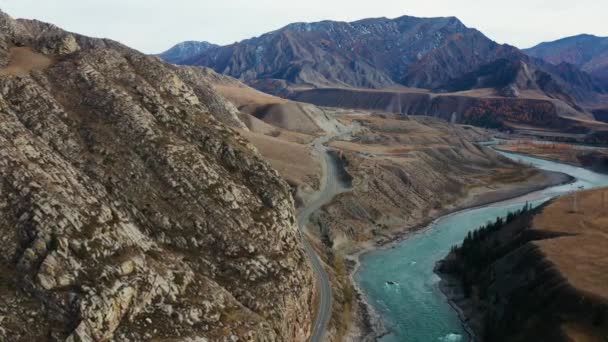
(393, 136)
(383, 150)
(295, 162)
(555, 146)
(273, 110)
(242, 95)
(345, 293)
(256, 125)
(582, 333)
(23, 60)
(293, 116)
(583, 257)
(510, 176)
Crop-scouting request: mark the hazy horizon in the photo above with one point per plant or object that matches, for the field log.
(154, 26)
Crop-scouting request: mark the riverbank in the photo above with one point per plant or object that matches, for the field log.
(568, 256)
(591, 160)
(368, 325)
(470, 313)
(454, 293)
(519, 153)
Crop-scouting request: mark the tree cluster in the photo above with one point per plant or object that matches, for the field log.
(478, 250)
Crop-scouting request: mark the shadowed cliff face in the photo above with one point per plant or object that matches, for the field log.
(128, 209)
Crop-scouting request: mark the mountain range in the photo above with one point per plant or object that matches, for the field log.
(147, 201)
(588, 52)
(376, 53)
(433, 66)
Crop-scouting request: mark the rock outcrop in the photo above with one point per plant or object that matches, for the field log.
(129, 210)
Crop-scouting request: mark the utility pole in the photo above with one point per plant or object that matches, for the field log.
(574, 202)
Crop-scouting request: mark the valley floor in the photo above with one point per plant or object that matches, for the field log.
(366, 325)
(402, 173)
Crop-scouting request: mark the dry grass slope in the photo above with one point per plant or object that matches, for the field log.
(23, 60)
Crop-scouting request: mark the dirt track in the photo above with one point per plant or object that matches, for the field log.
(331, 185)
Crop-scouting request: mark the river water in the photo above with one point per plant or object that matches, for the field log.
(400, 284)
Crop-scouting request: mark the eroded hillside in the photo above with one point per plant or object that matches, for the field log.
(128, 210)
(408, 170)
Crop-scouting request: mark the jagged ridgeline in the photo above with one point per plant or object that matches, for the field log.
(129, 210)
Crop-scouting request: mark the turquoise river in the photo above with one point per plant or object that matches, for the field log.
(412, 308)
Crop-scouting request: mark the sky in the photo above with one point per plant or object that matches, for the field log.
(153, 26)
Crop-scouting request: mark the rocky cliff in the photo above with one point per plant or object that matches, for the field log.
(129, 210)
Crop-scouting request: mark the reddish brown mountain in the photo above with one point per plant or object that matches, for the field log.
(420, 52)
(588, 52)
(444, 68)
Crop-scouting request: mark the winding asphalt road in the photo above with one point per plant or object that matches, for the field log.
(330, 186)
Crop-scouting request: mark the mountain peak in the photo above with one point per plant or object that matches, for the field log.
(372, 52)
(586, 51)
(576, 39)
(178, 53)
(584, 36)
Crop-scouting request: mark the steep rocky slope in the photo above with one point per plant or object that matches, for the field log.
(539, 276)
(377, 52)
(128, 210)
(588, 52)
(585, 52)
(431, 53)
(514, 74)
